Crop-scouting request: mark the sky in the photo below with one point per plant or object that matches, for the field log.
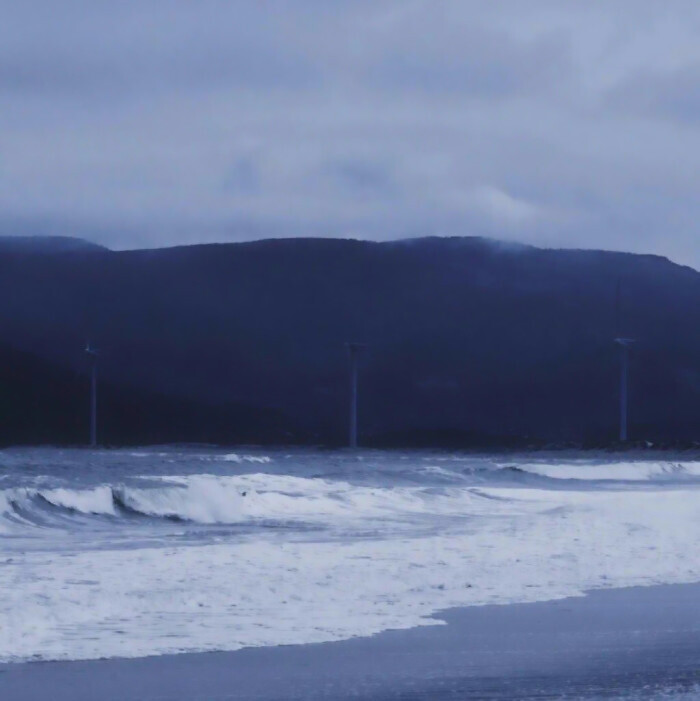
(145, 123)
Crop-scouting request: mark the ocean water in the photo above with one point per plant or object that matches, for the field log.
(128, 553)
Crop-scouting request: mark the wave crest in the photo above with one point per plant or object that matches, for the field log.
(212, 499)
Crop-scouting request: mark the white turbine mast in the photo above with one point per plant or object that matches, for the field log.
(354, 350)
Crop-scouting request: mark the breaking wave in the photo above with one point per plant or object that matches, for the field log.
(619, 472)
(256, 498)
(109, 554)
(212, 499)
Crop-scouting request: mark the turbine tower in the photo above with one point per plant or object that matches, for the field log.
(92, 359)
(624, 344)
(354, 349)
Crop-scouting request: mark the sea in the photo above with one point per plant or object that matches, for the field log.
(140, 552)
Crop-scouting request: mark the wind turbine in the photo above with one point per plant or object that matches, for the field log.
(624, 344)
(92, 358)
(354, 349)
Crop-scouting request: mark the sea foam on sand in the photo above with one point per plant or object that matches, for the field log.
(508, 544)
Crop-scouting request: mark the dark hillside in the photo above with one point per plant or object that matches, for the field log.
(463, 334)
(44, 404)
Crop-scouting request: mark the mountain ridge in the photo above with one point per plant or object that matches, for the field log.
(464, 334)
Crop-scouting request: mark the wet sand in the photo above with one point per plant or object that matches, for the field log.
(618, 643)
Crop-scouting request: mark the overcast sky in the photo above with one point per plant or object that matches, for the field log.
(572, 123)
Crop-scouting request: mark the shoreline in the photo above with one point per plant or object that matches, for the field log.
(615, 643)
(689, 451)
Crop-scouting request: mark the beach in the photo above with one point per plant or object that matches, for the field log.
(176, 573)
(639, 642)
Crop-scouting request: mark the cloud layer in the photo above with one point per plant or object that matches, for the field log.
(557, 122)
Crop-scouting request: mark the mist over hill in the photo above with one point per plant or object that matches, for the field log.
(465, 336)
(46, 244)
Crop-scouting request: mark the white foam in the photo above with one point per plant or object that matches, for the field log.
(211, 499)
(5, 510)
(87, 501)
(214, 499)
(234, 457)
(627, 471)
(526, 545)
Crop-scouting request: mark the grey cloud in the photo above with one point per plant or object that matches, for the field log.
(144, 123)
(674, 94)
(357, 178)
(243, 177)
(149, 47)
(474, 61)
